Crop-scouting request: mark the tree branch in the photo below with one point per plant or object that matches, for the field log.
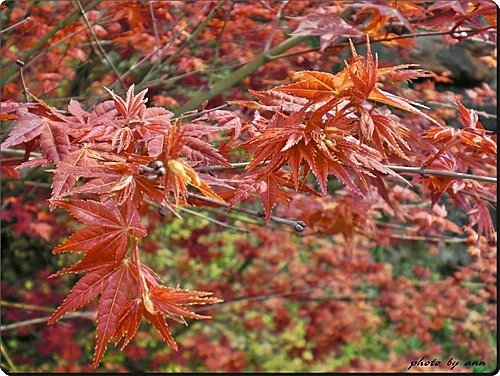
(238, 75)
(5, 354)
(27, 307)
(404, 36)
(298, 226)
(86, 315)
(427, 171)
(404, 169)
(10, 73)
(11, 27)
(99, 46)
(225, 225)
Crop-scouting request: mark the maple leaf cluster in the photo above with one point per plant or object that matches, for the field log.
(123, 153)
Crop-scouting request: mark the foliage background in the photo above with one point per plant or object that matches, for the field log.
(292, 302)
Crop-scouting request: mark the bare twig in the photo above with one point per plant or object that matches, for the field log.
(196, 113)
(298, 226)
(452, 174)
(5, 354)
(484, 114)
(275, 25)
(254, 298)
(404, 36)
(85, 315)
(404, 169)
(155, 30)
(434, 239)
(217, 46)
(20, 64)
(490, 200)
(238, 75)
(27, 307)
(99, 46)
(212, 220)
(11, 27)
(195, 33)
(53, 45)
(10, 73)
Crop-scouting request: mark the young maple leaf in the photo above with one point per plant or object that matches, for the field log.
(326, 25)
(108, 227)
(120, 180)
(267, 185)
(64, 180)
(125, 123)
(132, 105)
(179, 174)
(473, 135)
(355, 83)
(113, 299)
(318, 145)
(85, 290)
(167, 302)
(54, 141)
(114, 283)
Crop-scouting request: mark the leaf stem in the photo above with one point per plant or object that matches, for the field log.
(143, 285)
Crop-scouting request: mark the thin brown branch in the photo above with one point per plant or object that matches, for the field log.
(26, 92)
(403, 169)
(482, 197)
(99, 46)
(452, 174)
(155, 30)
(195, 33)
(55, 45)
(218, 44)
(85, 315)
(433, 239)
(27, 307)
(232, 216)
(10, 73)
(298, 226)
(5, 354)
(11, 27)
(254, 298)
(404, 36)
(275, 25)
(196, 113)
(225, 225)
(484, 114)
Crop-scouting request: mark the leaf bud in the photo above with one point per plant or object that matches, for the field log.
(157, 165)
